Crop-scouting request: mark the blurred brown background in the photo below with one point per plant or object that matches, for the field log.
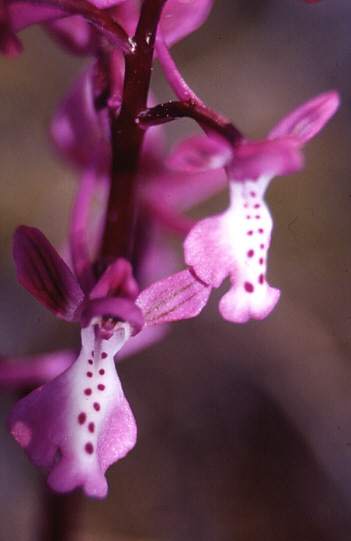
(244, 431)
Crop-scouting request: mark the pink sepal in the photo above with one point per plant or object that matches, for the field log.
(182, 191)
(76, 128)
(256, 158)
(80, 423)
(249, 160)
(74, 34)
(179, 18)
(24, 14)
(306, 121)
(200, 153)
(180, 296)
(43, 273)
(117, 281)
(113, 307)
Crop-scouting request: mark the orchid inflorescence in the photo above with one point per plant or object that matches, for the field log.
(78, 422)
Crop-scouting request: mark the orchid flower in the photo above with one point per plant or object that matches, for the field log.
(79, 423)
(81, 416)
(235, 243)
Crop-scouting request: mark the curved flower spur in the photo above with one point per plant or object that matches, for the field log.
(235, 243)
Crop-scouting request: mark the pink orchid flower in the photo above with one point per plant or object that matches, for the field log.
(235, 243)
(79, 423)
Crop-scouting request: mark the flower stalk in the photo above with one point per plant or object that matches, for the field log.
(127, 137)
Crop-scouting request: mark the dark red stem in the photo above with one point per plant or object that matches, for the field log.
(61, 516)
(127, 137)
(208, 119)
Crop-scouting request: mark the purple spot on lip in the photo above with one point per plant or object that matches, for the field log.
(101, 371)
(103, 355)
(96, 406)
(88, 392)
(250, 233)
(90, 361)
(261, 278)
(248, 287)
(89, 448)
(89, 374)
(250, 253)
(82, 418)
(91, 427)
(101, 387)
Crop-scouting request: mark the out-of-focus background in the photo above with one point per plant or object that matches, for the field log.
(244, 431)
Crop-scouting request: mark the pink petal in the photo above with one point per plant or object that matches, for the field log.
(24, 14)
(235, 243)
(200, 154)
(182, 17)
(117, 280)
(77, 130)
(74, 34)
(25, 372)
(306, 121)
(256, 158)
(113, 307)
(80, 423)
(181, 191)
(85, 226)
(43, 273)
(180, 296)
